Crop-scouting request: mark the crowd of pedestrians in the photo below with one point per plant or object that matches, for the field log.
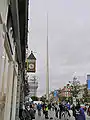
(29, 109)
(61, 110)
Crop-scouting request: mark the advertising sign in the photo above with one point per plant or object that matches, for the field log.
(88, 82)
(55, 93)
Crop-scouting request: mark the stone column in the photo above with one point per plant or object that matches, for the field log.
(14, 99)
(14, 93)
(9, 92)
(18, 93)
(2, 54)
(3, 77)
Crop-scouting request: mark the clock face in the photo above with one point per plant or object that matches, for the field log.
(31, 66)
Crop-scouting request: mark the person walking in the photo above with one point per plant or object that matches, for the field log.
(39, 109)
(26, 113)
(88, 111)
(32, 113)
(49, 106)
(56, 110)
(74, 110)
(46, 111)
(53, 106)
(81, 114)
(68, 105)
(60, 110)
(83, 117)
(43, 108)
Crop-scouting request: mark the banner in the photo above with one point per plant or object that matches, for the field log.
(88, 82)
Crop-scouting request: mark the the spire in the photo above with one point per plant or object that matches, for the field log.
(47, 67)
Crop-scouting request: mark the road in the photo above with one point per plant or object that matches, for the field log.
(52, 114)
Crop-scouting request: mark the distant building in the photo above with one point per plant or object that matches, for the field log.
(33, 86)
(66, 91)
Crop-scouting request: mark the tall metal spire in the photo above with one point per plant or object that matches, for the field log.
(47, 65)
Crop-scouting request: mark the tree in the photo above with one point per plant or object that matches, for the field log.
(43, 99)
(75, 87)
(34, 98)
(85, 95)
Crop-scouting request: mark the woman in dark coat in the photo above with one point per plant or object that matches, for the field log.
(81, 115)
(74, 110)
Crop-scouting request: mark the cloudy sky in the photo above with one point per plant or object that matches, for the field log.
(69, 40)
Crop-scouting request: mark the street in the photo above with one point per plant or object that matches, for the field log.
(52, 114)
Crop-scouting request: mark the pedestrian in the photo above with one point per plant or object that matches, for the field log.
(20, 113)
(26, 113)
(88, 111)
(32, 113)
(80, 115)
(74, 110)
(43, 108)
(60, 109)
(53, 106)
(56, 109)
(49, 106)
(68, 106)
(46, 111)
(67, 111)
(39, 109)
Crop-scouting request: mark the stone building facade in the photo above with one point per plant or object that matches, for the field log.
(33, 86)
(13, 42)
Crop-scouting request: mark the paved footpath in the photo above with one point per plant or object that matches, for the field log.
(52, 114)
(87, 117)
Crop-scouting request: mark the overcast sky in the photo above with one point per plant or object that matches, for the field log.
(69, 40)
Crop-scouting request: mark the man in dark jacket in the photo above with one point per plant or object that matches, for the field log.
(26, 113)
(74, 110)
(32, 113)
(60, 110)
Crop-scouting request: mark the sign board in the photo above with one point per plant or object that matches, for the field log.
(55, 93)
(88, 82)
(31, 63)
